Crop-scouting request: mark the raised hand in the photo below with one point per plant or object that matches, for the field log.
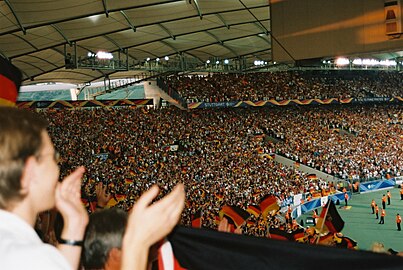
(103, 196)
(68, 202)
(223, 226)
(75, 217)
(149, 223)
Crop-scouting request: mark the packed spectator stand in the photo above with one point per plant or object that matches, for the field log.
(293, 84)
(224, 155)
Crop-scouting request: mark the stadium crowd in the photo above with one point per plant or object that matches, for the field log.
(216, 158)
(351, 143)
(297, 84)
(223, 156)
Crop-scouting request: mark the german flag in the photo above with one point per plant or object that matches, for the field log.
(235, 213)
(217, 220)
(183, 169)
(10, 82)
(298, 234)
(254, 210)
(312, 176)
(329, 219)
(120, 197)
(268, 156)
(197, 219)
(325, 240)
(259, 137)
(268, 203)
(219, 195)
(250, 223)
(279, 234)
(351, 244)
(128, 181)
(111, 203)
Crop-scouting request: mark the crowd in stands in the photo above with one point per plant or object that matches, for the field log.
(221, 155)
(218, 158)
(295, 84)
(351, 143)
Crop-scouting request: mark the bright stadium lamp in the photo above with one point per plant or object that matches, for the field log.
(104, 55)
(342, 61)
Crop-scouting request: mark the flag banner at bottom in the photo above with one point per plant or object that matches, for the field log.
(209, 250)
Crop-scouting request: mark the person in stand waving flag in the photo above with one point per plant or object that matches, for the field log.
(268, 204)
(234, 214)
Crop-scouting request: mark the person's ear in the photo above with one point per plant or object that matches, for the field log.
(28, 174)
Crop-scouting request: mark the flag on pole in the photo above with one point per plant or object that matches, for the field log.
(329, 219)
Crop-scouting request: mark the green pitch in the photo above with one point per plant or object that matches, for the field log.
(361, 225)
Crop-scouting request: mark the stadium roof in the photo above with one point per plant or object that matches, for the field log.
(37, 35)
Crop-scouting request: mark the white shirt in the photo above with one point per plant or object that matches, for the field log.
(21, 248)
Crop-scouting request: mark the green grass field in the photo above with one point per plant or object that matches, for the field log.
(361, 225)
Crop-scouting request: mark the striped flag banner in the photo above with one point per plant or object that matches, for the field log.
(236, 214)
